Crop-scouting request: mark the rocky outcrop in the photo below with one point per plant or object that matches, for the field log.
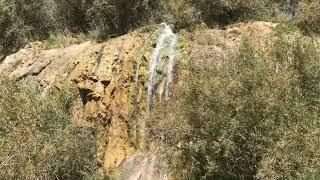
(46, 67)
(111, 78)
(112, 95)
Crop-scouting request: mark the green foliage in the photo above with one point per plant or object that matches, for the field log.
(22, 21)
(55, 41)
(37, 139)
(71, 14)
(177, 12)
(309, 16)
(227, 11)
(118, 17)
(254, 114)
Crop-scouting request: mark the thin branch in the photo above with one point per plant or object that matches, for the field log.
(13, 154)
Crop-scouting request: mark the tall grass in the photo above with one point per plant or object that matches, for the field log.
(309, 16)
(251, 114)
(37, 138)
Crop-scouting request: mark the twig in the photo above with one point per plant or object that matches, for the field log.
(12, 155)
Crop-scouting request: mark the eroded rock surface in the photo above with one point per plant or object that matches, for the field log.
(106, 77)
(111, 78)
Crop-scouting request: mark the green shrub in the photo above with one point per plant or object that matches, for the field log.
(227, 11)
(309, 16)
(38, 140)
(71, 14)
(253, 114)
(177, 12)
(56, 41)
(22, 21)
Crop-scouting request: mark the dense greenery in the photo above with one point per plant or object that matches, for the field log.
(252, 114)
(37, 138)
(309, 17)
(25, 20)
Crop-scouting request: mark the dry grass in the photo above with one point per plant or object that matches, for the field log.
(309, 16)
(37, 139)
(251, 114)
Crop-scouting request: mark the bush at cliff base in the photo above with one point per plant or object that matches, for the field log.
(37, 138)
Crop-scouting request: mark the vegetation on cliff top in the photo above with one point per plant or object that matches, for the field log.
(22, 21)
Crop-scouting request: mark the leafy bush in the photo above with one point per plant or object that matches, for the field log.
(309, 16)
(71, 14)
(56, 41)
(226, 11)
(253, 114)
(118, 17)
(24, 20)
(37, 139)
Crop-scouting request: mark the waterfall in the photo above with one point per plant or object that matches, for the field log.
(171, 63)
(161, 69)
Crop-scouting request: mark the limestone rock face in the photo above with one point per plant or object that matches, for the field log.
(44, 66)
(106, 78)
(111, 79)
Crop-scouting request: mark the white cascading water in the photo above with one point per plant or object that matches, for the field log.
(172, 60)
(167, 40)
